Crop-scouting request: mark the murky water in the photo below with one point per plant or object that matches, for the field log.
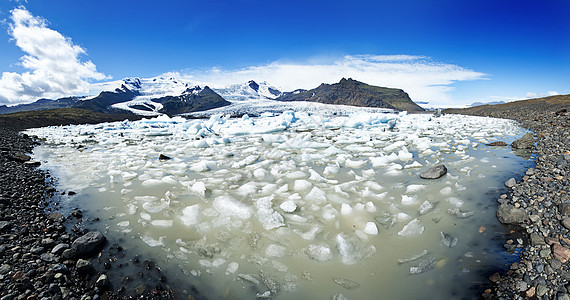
(297, 206)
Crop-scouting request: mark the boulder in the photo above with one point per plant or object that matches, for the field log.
(525, 142)
(510, 183)
(88, 243)
(508, 214)
(20, 157)
(434, 172)
(560, 252)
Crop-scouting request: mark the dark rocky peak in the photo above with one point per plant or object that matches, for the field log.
(192, 90)
(135, 82)
(252, 84)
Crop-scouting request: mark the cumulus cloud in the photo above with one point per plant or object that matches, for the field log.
(421, 77)
(53, 64)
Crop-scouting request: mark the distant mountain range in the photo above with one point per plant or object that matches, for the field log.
(159, 95)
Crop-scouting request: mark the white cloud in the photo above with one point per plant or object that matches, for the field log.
(531, 95)
(52, 60)
(421, 77)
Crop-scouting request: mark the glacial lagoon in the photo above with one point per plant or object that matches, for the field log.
(296, 205)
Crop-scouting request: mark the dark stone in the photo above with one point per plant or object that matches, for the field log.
(89, 243)
(163, 157)
(536, 239)
(20, 157)
(5, 226)
(498, 143)
(59, 248)
(84, 267)
(56, 217)
(564, 209)
(508, 214)
(525, 142)
(434, 172)
(510, 183)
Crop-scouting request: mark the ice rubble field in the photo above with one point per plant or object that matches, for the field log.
(290, 203)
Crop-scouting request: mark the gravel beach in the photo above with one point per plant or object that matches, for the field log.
(41, 259)
(539, 203)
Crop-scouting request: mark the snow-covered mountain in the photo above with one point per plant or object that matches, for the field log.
(250, 90)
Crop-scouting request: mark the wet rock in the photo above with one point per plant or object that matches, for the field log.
(163, 157)
(102, 282)
(536, 239)
(88, 243)
(84, 266)
(434, 172)
(525, 142)
(56, 217)
(497, 143)
(508, 214)
(20, 157)
(560, 252)
(59, 248)
(541, 290)
(510, 183)
(564, 209)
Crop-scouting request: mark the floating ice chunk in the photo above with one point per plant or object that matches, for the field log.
(232, 268)
(355, 164)
(274, 250)
(402, 216)
(231, 207)
(455, 201)
(413, 257)
(460, 214)
(152, 242)
(247, 189)
(413, 228)
(373, 185)
(199, 188)
(202, 166)
(394, 146)
(352, 250)
(288, 206)
(245, 162)
(370, 228)
(162, 223)
(446, 190)
(424, 266)
(123, 224)
(259, 174)
(414, 188)
(415, 164)
(296, 175)
(145, 216)
(346, 283)
(190, 214)
(310, 234)
(409, 200)
(301, 185)
(316, 177)
(156, 206)
(152, 182)
(329, 212)
(448, 240)
(268, 217)
(128, 176)
(316, 195)
(319, 252)
(425, 207)
(131, 208)
(404, 155)
(302, 142)
(370, 207)
(345, 209)
(331, 171)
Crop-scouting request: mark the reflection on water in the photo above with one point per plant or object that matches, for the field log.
(303, 211)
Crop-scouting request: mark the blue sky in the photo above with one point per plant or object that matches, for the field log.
(449, 53)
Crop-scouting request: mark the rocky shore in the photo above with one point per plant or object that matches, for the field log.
(42, 259)
(539, 204)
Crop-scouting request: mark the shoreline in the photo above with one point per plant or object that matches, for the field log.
(542, 195)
